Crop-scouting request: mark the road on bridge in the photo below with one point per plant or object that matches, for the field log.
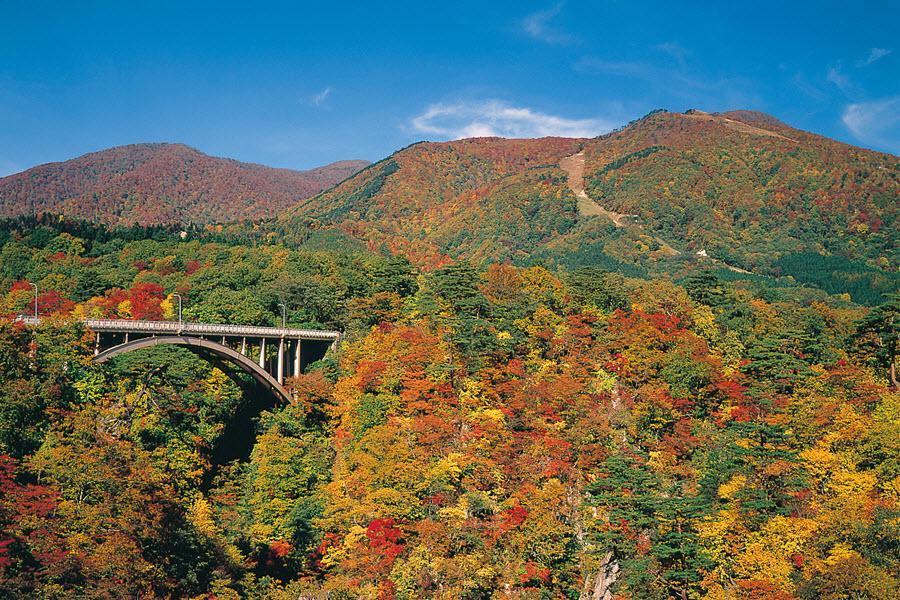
(269, 354)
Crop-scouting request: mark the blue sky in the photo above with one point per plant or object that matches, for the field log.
(299, 84)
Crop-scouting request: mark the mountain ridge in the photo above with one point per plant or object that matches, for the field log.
(666, 194)
(162, 182)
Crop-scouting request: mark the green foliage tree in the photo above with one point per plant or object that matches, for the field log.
(877, 334)
(230, 306)
(649, 528)
(706, 288)
(592, 286)
(778, 360)
(462, 306)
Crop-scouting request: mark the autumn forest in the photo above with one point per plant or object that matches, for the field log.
(530, 400)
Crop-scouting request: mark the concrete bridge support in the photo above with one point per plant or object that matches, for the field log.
(281, 361)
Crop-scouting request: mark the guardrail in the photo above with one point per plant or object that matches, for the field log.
(179, 328)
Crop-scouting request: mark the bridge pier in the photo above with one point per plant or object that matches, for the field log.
(262, 352)
(244, 346)
(281, 361)
(297, 358)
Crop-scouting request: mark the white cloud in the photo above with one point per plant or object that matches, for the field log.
(614, 67)
(320, 98)
(675, 50)
(837, 77)
(876, 122)
(680, 81)
(807, 88)
(495, 118)
(537, 25)
(874, 55)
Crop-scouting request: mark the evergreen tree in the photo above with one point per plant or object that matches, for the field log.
(648, 527)
(877, 334)
(706, 288)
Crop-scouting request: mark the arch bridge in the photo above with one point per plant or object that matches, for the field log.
(268, 354)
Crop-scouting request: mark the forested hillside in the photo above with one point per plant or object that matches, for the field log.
(666, 195)
(749, 189)
(162, 183)
(564, 430)
(736, 190)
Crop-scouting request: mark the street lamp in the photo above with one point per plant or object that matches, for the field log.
(179, 307)
(34, 285)
(283, 315)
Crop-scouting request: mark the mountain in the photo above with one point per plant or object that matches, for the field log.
(740, 191)
(162, 183)
(481, 431)
(468, 198)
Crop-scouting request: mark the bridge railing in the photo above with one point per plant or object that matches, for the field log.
(218, 329)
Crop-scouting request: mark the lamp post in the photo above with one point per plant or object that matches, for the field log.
(179, 308)
(34, 285)
(283, 315)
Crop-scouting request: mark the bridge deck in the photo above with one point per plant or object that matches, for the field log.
(185, 328)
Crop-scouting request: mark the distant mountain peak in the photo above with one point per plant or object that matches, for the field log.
(736, 188)
(755, 118)
(161, 182)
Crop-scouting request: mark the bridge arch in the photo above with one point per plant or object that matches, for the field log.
(202, 345)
